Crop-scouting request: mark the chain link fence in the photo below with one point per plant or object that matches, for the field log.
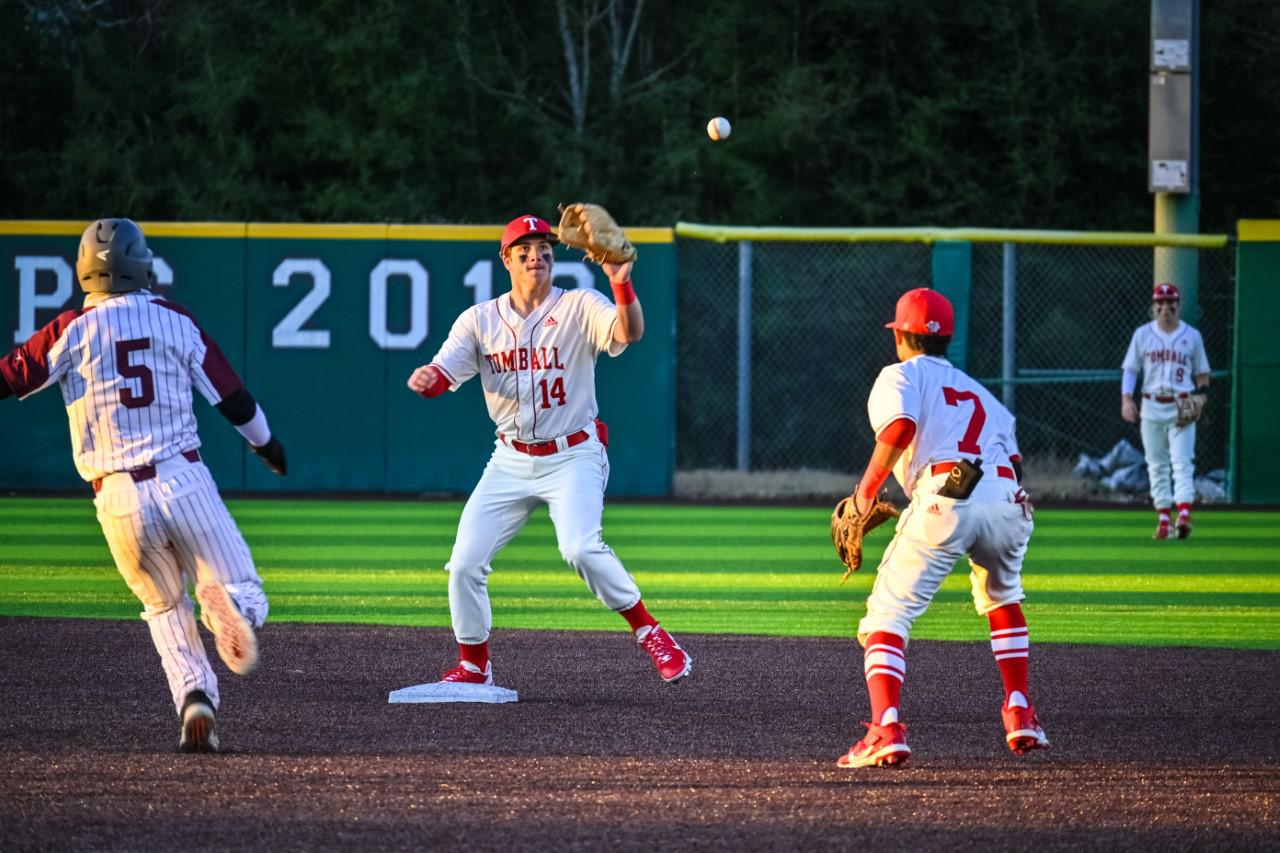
(817, 342)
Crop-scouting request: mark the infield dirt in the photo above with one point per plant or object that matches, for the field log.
(1152, 748)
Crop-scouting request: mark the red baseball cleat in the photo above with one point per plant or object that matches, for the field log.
(1022, 730)
(1162, 529)
(1183, 527)
(673, 662)
(468, 673)
(884, 746)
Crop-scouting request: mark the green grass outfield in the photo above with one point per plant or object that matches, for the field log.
(1092, 576)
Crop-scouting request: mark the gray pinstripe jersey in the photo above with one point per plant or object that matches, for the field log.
(126, 364)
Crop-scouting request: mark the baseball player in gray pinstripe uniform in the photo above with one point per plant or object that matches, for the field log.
(126, 363)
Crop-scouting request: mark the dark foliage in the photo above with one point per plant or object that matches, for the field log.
(998, 113)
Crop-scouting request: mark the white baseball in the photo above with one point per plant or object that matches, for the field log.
(719, 128)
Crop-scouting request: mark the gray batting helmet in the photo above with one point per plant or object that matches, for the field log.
(114, 258)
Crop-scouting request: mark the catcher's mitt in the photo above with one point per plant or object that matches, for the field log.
(1190, 409)
(589, 227)
(848, 527)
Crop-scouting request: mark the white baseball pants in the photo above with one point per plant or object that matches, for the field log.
(991, 527)
(1169, 448)
(571, 483)
(164, 534)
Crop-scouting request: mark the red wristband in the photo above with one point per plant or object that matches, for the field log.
(872, 479)
(624, 293)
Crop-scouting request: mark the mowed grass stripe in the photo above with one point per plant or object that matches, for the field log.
(1092, 576)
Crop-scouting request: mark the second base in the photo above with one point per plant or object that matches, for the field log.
(441, 691)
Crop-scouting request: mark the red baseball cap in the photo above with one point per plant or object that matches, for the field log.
(523, 226)
(1166, 292)
(924, 312)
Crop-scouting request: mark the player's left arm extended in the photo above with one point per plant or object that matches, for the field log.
(630, 325)
(891, 442)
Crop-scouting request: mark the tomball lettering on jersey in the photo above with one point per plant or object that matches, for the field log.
(524, 358)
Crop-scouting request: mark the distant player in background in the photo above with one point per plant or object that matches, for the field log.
(535, 351)
(1171, 358)
(952, 446)
(126, 363)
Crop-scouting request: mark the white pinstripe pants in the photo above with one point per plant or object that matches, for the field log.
(932, 534)
(572, 485)
(164, 534)
(1171, 459)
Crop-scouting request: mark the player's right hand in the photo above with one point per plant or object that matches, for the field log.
(272, 455)
(427, 381)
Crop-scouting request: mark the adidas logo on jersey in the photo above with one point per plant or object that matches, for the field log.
(551, 321)
(933, 510)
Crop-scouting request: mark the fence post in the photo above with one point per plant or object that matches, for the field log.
(1007, 323)
(744, 355)
(953, 277)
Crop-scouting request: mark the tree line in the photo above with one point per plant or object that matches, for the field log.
(989, 113)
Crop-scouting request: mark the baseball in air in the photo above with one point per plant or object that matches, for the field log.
(719, 128)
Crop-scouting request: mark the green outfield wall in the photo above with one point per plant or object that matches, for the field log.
(1256, 368)
(325, 323)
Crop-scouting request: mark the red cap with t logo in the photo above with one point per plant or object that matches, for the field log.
(523, 226)
(1166, 292)
(924, 312)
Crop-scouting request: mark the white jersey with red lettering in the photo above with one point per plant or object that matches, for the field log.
(538, 372)
(1169, 362)
(126, 364)
(955, 417)
(539, 383)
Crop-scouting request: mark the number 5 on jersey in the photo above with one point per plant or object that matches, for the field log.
(556, 392)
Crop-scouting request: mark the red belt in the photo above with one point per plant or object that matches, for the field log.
(546, 448)
(146, 472)
(1165, 399)
(943, 467)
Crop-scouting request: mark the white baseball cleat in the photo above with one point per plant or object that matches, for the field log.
(235, 640)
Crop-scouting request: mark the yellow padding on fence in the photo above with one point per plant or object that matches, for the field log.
(294, 230)
(724, 233)
(1259, 230)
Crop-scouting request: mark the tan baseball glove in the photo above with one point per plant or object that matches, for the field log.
(1190, 409)
(848, 529)
(589, 227)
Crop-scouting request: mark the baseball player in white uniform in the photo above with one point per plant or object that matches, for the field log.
(535, 351)
(1171, 358)
(951, 445)
(126, 363)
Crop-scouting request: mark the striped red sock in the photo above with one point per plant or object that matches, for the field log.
(1011, 645)
(638, 617)
(885, 666)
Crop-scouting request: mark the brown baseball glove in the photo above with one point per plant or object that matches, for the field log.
(589, 227)
(848, 527)
(1190, 409)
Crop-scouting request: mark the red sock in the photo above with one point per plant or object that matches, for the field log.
(1012, 648)
(637, 617)
(477, 654)
(885, 666)
(1184, 508)
(1162, 513)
